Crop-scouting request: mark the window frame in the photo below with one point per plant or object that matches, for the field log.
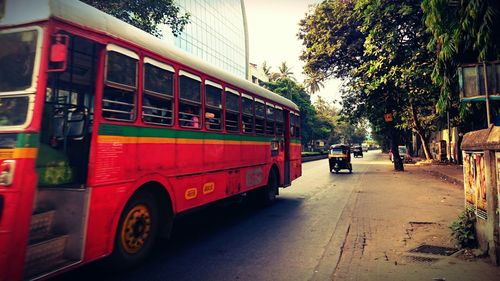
(134, 90)
(252, 115)
(157, 95)
(189, 102)
(238, 113)
(206, 105)
(262, 118)
(279, 109)
(272, 106)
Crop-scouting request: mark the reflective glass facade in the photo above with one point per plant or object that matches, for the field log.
(216, 33)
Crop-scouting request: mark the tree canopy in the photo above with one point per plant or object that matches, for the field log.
(145, 14)
(463, 31)
(294, 91)
(379, 49)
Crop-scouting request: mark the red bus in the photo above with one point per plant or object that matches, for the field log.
(108, 133)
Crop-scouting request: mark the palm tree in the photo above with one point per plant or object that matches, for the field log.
(313, 84)
(267, 70)
(284, 72)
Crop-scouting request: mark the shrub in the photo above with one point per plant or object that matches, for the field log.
(463, 229)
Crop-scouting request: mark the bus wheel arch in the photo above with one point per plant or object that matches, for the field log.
(165, 206)
(269, 192)
(146, 215)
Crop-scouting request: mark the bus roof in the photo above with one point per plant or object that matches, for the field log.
(26, 11)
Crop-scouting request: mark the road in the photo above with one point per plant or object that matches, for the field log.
(298, 238)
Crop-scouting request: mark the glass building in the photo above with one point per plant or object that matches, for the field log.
(217, 33)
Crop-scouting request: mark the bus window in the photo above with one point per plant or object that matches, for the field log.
(260, 114)
(279, 121)
(232, 111)
(294, 125)
(269, 120)
(213, 106)
(247, 105)
(119, 97)
(189, 100)
(158, 93)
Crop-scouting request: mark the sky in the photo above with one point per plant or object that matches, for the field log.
(273, 27)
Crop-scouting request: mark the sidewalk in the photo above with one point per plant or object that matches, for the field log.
(452, 173)
(396, 217)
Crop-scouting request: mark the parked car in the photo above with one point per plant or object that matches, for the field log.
(403, 153)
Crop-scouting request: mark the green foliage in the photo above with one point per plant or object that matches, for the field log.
(333, 44)
(380, 50)
(463, 229)
(294, 91)
(145, 14)
(463, 31)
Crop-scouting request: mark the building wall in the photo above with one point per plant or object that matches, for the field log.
(217, 33)
(257, 74)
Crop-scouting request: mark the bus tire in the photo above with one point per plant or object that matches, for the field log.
(270, 191)
(136, 232)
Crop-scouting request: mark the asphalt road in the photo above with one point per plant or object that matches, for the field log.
(298, 238)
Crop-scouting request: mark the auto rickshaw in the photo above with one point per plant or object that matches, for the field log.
(339, 158)
(357, 151)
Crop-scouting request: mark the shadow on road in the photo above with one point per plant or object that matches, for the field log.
(201, 229)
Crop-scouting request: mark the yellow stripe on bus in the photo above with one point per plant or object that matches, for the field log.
(14, 153)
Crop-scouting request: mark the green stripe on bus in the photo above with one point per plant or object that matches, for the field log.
(295, 141)
(27, 140)
(134, 131)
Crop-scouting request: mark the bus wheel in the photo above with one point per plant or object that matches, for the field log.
(270, 191)
(137, 231)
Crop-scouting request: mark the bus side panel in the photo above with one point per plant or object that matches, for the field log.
(107, 204)
(213, 155)
(15, 218)
(156, 157)
(232, 151)
(188, 155)
(295, 159)
(194, 191)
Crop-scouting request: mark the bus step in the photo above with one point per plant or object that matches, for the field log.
(41, 225)
(45, 255)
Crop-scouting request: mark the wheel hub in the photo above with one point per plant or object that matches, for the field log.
(136, 229)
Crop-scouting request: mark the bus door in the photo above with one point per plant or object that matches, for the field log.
(56, 235)
(286, 116)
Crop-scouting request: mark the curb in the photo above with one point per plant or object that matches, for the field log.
(313, 158)
(445, 177)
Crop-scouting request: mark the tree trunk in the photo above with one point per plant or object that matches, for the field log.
(425, 145)
(398, 163)
(420, 131)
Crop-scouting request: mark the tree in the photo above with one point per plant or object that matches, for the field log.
(284, 72)
(463, 31)
(294, 91)
(379, 48)
(333, 43)
(313, 84)
(267, 70)
(145, 14)
(327, 116)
